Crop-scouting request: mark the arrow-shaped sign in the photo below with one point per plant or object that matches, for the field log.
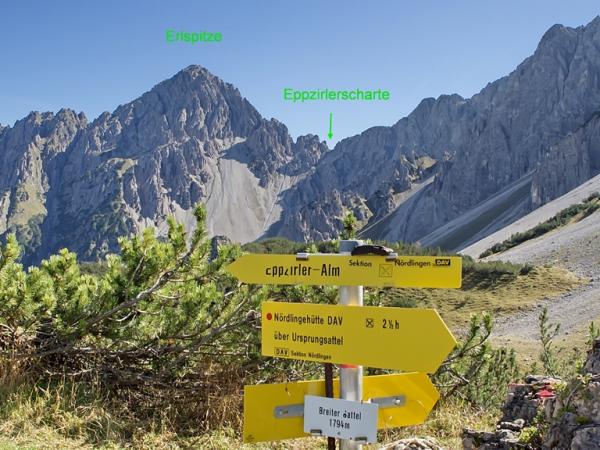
(275, 411)
(408, 339)
(346, 270)
(330, 134)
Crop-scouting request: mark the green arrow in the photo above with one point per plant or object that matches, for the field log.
(330, 135)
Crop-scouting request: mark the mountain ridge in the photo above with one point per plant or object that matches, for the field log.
(194, 138)
(153, 157)
(491, 140)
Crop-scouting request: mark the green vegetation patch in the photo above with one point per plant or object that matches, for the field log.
(576, 212)
(496, 288)
(150, 348)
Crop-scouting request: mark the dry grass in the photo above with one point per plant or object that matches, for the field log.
(63, 417)
(446, 424)
(567, 346)
(224, 402)
(503, 296)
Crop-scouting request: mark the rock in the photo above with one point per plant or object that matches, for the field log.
(571, 418)
(587, 438)
(215, 243)
(523, 404)
(414, 444)
(500, 440)
(31, 155)
(592, 363)
(516, 425)
(574, 416)
(523, 400)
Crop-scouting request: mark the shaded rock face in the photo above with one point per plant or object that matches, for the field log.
(215, 244)
(574, 416)
(523, 404)
(31, 153)
(366, 173)
(539, 119)
(570, 413)
(571, 162)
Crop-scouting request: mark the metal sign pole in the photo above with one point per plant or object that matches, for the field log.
(350, 376)
(329, 393)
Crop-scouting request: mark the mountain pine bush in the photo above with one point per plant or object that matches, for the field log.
(157, 315)
(165, 328)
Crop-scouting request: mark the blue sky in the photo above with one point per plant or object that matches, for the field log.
(93, 56)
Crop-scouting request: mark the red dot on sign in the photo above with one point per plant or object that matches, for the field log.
(269, 316)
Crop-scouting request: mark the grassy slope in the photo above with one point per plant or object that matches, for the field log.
(504, 295)
(566, 346)
(45, 421)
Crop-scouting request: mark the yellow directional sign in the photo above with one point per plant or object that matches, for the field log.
(346, 270)
(408, 339)
(274, 411)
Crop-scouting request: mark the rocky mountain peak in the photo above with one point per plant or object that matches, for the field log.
(52, 131)
(593, 26)
(307, 151)
(425, 107)
(194, 138)
(474, 147)
(195, 71)
(554, 34)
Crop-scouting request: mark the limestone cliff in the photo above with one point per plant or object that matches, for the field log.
(453, 170)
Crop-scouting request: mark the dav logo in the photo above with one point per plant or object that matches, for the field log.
(442, 262)
(281, 351)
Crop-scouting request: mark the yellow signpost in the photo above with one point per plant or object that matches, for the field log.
(346, 270)
(274, 411)
(408, 339)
